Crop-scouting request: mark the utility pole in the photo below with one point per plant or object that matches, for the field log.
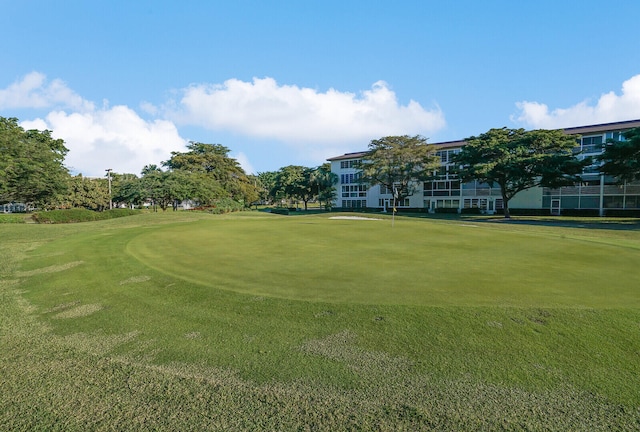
(108, 170)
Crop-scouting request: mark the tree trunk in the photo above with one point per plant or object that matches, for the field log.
(505, 204)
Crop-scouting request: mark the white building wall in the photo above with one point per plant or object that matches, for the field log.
(527, 199)
(595, 192)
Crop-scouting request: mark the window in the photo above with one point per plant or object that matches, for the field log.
(354, 203)
(384, 190)
(447, 203)
(632, 202)
(614, 201)
(354, 191)
(592, 144)
(349, 163)
(569, 202)
(350, 178)
(590, 202)
(615, 136)
(480, 203)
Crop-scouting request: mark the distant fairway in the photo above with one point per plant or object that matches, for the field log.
(416, 262)
(189, 321)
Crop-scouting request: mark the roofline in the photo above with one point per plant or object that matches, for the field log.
(354, 155)
(603, 127)
(577, 130)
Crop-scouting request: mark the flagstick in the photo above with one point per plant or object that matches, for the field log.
(393, 216)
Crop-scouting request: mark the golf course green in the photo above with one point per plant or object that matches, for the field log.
(255, 321)
(366, 260)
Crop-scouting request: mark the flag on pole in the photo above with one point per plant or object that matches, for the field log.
(395, 198)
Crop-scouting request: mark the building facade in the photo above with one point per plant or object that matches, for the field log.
(596, 193)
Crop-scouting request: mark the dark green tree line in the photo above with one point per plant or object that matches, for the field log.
(32, 167)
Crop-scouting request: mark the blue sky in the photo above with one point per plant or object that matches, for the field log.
(125, 83)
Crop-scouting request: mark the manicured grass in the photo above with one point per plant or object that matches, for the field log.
(7, 218)
(257, 321)
(415, 262)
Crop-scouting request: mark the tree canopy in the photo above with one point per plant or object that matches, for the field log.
(295, 182)
(31, 166)
(323, 180)
(621, 158)
(209, 164)
(92, 194)
(516, 160)
(400, 163)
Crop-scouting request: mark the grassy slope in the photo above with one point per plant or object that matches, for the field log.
(108, 342)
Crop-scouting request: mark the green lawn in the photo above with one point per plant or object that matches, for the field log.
(255, 321)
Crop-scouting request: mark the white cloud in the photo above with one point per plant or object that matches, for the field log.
(97, 138)
(149, 108)
(302, 116)
(243, 160)
(34, 91)
(609, 108)
(314, 125)
(114, 138)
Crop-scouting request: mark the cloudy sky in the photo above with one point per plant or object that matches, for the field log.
(125, 83)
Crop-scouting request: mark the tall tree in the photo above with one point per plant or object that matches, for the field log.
(127, 189)
(294, 183)
(323, 180)
(621, 158)
(516, 160)
(153, 187)
(214, 161)
(92, 194)
(31, 166)
(399, 163)
(267, 182)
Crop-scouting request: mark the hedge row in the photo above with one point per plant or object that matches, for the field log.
(622, 213)
(80, 215)
(280, 210)
(222, 206)
(12, 218)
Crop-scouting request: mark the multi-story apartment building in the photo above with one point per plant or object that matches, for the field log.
(596, 192)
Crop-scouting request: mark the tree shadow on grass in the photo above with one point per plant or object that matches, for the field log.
(622, 224)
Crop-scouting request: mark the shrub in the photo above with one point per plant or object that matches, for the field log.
(472, 210)
(80, 215)
(634, 213)
(224, 205)
(413, 210)
(446, 210)
(11, 218)
(580, 212)
(280, 210)
(529, 212)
